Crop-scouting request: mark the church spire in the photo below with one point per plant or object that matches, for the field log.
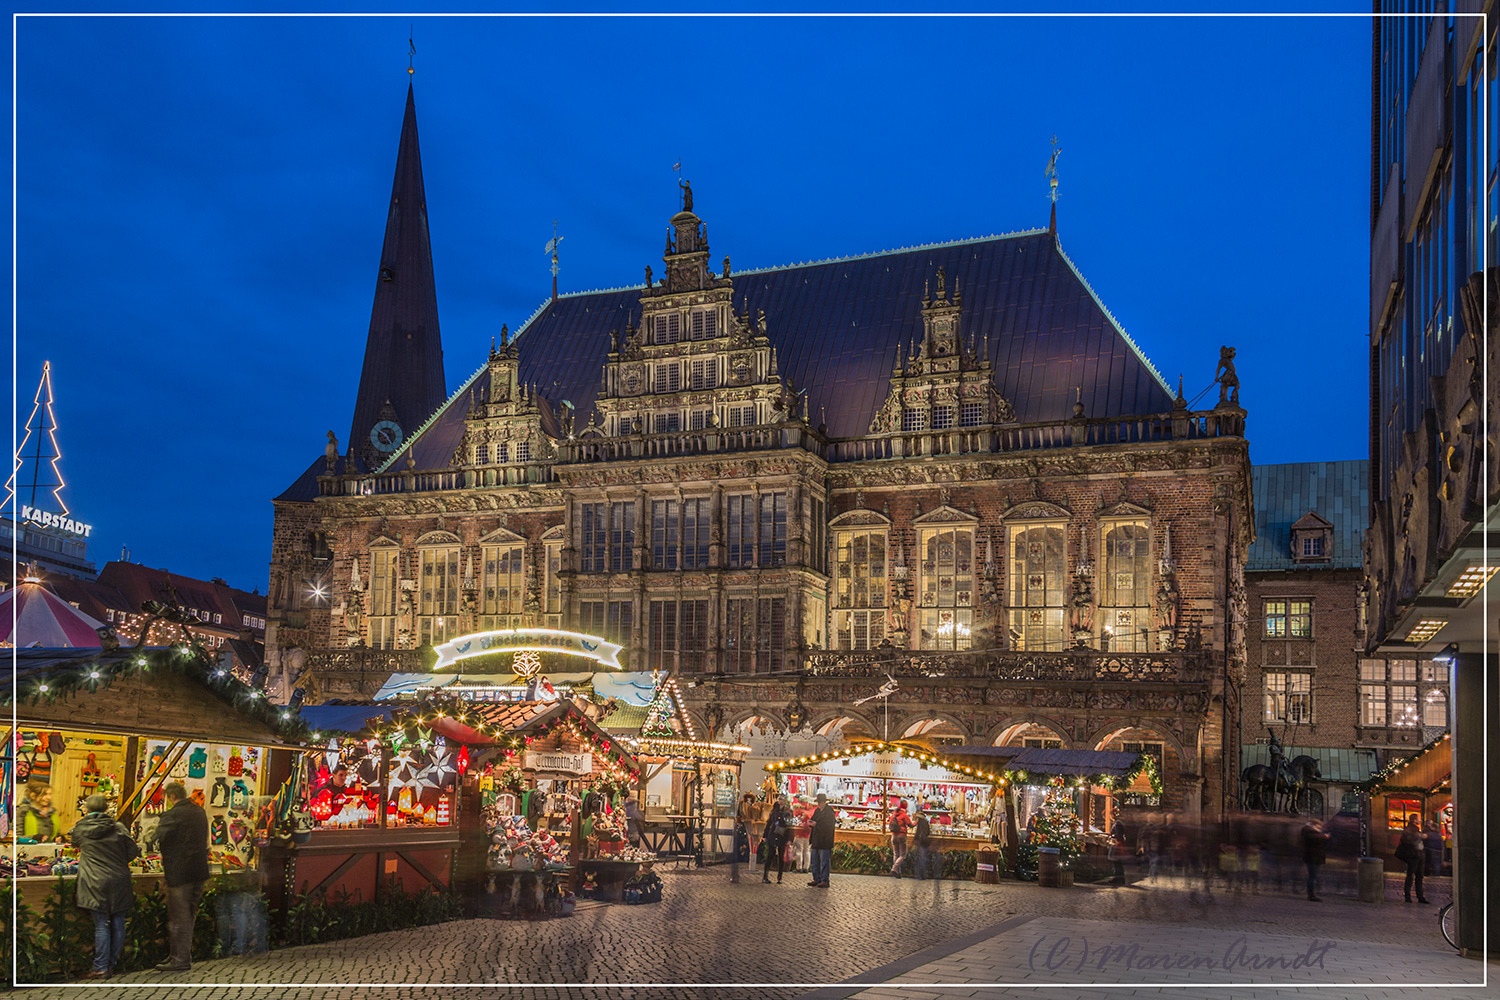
(402, 381)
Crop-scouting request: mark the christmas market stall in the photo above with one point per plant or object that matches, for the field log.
(123, 723)
(1417, 787)
(1061, 805)
(867, 782)
(689, 788)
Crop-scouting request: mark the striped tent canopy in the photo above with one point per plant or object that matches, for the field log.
(32, 615)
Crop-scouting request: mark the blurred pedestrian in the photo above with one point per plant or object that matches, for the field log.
(778, 831)
(900, 825)
(821, 841)
(105, 851)
(1410, 852)
(182, 836)
(1117, 853)
(241, 912)
(1434, 843)
(922, 841)
(35, 814)
(1314, 855)
(802, 835)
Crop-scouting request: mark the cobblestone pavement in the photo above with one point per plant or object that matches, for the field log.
(785, 941)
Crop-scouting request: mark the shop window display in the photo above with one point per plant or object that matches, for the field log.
(420, 779)
(226, 780)
(343, 793)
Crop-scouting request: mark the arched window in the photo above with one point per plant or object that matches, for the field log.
(1435, 709)
(1125, 605)
(502, 589)
(1038, 575)
(947, 586)
(860, 587)
(437, 587)
(385, 572)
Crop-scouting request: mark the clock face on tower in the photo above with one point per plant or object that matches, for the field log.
(386, 436)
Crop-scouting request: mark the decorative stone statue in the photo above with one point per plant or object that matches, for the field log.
(648, 275)
(331, 452)
(687, 194)
(1229, 382)
(1168, 601)
(1082, 613)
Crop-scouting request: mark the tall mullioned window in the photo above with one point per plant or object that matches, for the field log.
(773, 529)
(1125, 608)
(1038, 571)
(502, 589)
(437, 588)
(860, 588)
(384, 572)
(739, 529)
(946, 608)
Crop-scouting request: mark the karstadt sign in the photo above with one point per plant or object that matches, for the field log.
(57, 522)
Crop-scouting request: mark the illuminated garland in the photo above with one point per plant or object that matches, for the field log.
(1144, 763)
(668, 696)
(100, 669)
(880, 746)
(409, 722)
(1376, 782)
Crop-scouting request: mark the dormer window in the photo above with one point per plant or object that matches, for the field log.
(1312, 539)
(913, 420)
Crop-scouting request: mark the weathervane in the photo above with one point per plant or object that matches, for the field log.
(411, 58)
(551, 248)
(1052, 169)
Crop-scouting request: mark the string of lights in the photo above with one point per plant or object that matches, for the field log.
(49, 424)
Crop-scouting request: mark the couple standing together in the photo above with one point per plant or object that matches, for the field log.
(779, 833)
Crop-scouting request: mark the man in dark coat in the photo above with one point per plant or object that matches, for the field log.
(821, 842)
(182, 836)
(1314, 855)
(105, 851)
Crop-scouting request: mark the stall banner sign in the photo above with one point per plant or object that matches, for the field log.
(567, 763)
(515, 640)
(724, 799)
(887, 765)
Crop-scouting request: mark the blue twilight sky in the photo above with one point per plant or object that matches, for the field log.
(201, 201)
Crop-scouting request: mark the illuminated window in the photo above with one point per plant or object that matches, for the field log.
(1037, 576)
(946, 615)
(384, 569)
(1125, 608)
(859, 588)
(1288, 696)
(502, 591)
(1275, 618)
(1299, 619)
(1435, 710)
(437, 588)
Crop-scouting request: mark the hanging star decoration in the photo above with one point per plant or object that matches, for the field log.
(440, 773)
(403, 763)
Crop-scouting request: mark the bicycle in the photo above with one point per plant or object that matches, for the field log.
(1448, 924)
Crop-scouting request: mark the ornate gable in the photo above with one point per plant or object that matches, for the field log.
(1037, 510)
(856, 518)
(694, 363)
(946, 515)
(944, 383)
(1124, 509)
(506, 421)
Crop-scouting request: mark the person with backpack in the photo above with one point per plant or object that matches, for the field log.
(105, 851)
(778, 831)
(900, 824)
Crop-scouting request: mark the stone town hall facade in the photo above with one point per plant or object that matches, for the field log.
(947, 465)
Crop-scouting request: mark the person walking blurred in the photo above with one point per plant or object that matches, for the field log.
(105, 851)
(778, 830)
(1433, 840)
(821, 842)
(1410, 852)
(802, 835)
(1314, 855)
(921, 837)
(900, 824)
(182, 836)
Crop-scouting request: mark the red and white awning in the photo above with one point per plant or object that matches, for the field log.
(32, 615)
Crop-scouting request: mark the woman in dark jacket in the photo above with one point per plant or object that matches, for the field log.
(778, 832)
(105, 851)
(1410, 852)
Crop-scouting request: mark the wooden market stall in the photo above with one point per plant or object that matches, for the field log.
(1417, 786)
(865, 782)
(123, 723)
(691, 791)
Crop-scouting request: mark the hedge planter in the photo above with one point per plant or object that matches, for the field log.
(863, 859)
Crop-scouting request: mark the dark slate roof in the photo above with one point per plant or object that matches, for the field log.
(1338, 492)
(341, 718)
(839, 327)
(404, 350)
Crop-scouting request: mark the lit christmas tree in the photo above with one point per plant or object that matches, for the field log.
(1057, 825)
